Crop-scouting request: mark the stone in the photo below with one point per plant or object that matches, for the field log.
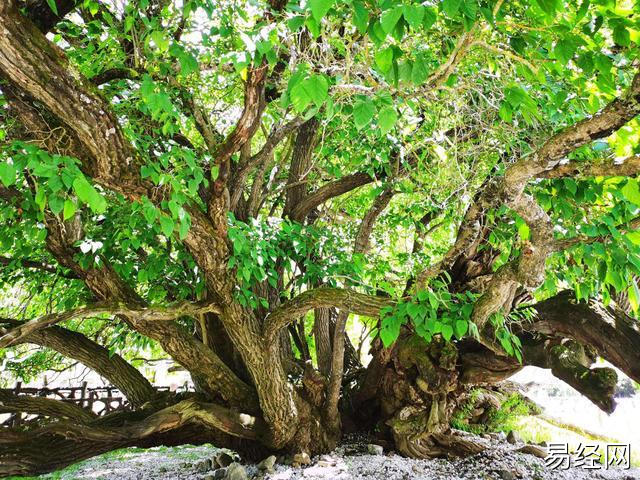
(374, 449)
(300, 459)
(533, 450)
(219, 474)
(222, 460)
(235, 471)
(506, 475)
(202, 466)
(267, 464)
(513, 437)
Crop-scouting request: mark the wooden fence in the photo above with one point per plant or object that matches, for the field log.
(101, 400)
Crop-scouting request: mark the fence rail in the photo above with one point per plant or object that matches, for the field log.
(101, 400)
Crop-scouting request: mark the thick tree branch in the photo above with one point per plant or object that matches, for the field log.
(342, 299)
(614, 335)
(43, 15)
(9, 402)
(132, 312)
(242, 171)
(328, 191)
(109, 365)
(508, 189)
(362, 242)
(626, 167)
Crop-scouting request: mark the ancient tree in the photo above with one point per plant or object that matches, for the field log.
(240, 185)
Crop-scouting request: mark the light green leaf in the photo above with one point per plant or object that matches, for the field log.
(387, 118)
(389, 19)
(447, 332)
(363, 112)
(384, 59)
(419, 73)
(631, 191)
(89, 195)
(69, 209)
(621, 35)
(319, 8)
(160, 40)
(317, 88)
(56, 204)
(53, 6)
(547, 6)
(430, 16)
(461, 328)
(41, 199)
(451, 7)
(414, 15)
(150, 212)
(470, 8)
(7, 174)
(166, 225)
(360, 17)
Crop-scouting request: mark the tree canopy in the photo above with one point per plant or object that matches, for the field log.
(225, 182)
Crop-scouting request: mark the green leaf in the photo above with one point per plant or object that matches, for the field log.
(160, 40)
(150, 212)
(319, 8)
(89, 195)
(317, 88)
(53, 6)
(505, 112)
(451, 7)
(295, 23)
(631, 191)
(7, 174)
(69, 209)
(548, 6)
(461, 327)
(41, 199)
(564, 50)
(523, 228)
(390, 330)
(430, 16)
(360, 17)
(389, 19)
(56, 204)
(447, 332)
(413, 14)
(384, 59)
(387, 118)
(188, 64)
(419, 73)
(166, 225)
(621, 35)
(363, 112)
(312, 89)
(634, 295)
(470, 8)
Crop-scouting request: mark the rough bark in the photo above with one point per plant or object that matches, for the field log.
(114, 368)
